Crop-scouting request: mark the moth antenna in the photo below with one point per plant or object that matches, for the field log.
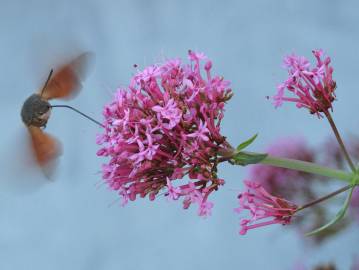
(47, 81)
(84, 115)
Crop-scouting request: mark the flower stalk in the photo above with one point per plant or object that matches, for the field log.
(303, 166)
(340, 141)
(324, 198)
(307, 167)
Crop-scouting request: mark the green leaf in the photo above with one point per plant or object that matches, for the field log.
(245, 158)
(246, 143)
(337, 217)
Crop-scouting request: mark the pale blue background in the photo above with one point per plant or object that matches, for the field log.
(68, 224)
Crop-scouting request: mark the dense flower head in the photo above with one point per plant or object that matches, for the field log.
(164, 126)
(264, 208)
(287, 183)
(311, 87)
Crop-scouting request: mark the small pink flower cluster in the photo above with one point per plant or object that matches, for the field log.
(313, 87)
(166, 125)
(264, 208)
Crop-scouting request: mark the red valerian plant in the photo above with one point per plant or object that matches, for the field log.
(166, 125)
(162, 135)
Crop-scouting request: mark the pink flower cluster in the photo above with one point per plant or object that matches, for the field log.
(313, 88)
(164, 126)
(264, 208)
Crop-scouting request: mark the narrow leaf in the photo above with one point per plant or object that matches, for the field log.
(246, 143)
(337, 217)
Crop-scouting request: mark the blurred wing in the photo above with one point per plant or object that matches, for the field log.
(66, 83)
(46, 148)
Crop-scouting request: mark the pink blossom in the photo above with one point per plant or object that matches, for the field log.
(205, 208)
(124, 196)
(201, 132)
(311, 88)
(264, 208)
(165, 126)
(196, 56)
(151, 72)
(169, 115)
(173, 192)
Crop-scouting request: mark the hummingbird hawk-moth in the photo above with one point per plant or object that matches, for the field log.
(65, 83)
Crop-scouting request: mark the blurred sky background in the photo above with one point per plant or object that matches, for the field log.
(75, 223)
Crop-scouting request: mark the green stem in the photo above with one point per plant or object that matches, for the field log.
(326, 197)
(305, 166)
(340, 141)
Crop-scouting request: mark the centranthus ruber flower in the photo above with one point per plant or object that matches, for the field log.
(164, 126)
(264, 208)
(311, 87)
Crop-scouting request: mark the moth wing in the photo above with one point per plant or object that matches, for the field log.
(46, 149)
(67, 81)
